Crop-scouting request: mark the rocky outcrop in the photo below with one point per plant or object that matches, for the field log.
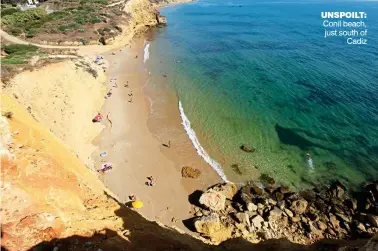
(213, 200)
(259, 213)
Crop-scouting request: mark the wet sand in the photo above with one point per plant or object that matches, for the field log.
(134, 144)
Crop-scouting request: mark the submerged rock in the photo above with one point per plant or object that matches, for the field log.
(247, 149)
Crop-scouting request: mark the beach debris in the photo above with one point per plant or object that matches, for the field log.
(136, 56)
(131, 100)
(167, 145)
(97, 118)
(103, 154)
(190, 172)
(137, 204)
(109, 118)
(213, 200)
(247, 149)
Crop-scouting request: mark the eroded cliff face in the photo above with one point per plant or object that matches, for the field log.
(64, 97)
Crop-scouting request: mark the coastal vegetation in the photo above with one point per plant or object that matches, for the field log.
(74, 20)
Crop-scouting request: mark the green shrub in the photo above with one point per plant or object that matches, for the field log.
(69, 27)
(96, 19)
(22, 18)
(94, 1)
(9, 11)
(13, 60)
(20, 49)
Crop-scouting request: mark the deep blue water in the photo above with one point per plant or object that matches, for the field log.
(261, 73)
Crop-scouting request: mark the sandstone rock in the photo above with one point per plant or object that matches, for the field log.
(257, 190)
(257, 221)
(251, 207)
(213, 200)
(288, 212)
(242, 218)
(284, 189)
(344, 217)
(296, 219)
(334, 222)
(212, 227)
(199, 213)
(321, 225)
(281, 204)
(275, 213)
(161, 19)
(247, 149)
(373, 220)
(351, 203)
(299, 206)
(190, 172)
(361, 227)
(272, 202)
(227, 189)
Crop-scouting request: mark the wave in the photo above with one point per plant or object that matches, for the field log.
(200, 150)
(146, 53)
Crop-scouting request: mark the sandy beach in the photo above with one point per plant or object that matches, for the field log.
(137, 153)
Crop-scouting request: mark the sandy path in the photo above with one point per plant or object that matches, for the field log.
(135, 152)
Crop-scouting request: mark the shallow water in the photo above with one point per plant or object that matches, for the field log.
(263, 75)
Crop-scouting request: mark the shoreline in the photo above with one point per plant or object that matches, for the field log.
(137, 153)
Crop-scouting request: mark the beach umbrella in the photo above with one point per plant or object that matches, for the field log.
(137, 204)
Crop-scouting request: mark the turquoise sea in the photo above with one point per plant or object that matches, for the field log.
(261, 73)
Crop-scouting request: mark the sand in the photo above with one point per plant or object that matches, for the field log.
(136, 153)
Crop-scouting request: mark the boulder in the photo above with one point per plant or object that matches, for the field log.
(190, 172)
(344, 217)
(361, 227)
(299, 206)
(213, 200)
(321, 225)
(257, 190)
(275, 213)
(257, 221)
(212, 227)
(284, 189)
(242, 218)
(337, 189)
(251, 207)
(351, 204)
(227, 189)
(296, 219)
(161, 19)
(373, 220)
(288, 212)
(247, 149)
(279, 196)
(334, 222)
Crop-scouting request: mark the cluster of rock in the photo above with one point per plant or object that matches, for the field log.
(257, 213)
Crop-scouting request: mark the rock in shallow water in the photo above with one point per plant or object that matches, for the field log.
(299, 206)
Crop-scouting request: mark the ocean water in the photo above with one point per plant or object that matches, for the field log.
(261, 73)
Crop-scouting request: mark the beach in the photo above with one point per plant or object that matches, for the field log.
(136, 153)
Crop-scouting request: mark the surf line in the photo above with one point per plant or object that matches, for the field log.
(200, 150)
(146, 53)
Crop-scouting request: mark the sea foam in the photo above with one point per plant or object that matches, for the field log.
(146, 53)
(201, 152)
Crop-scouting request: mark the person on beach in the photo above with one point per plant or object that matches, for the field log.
(151, 181)
(106, 167)
(132, 197)
(97, 118)
(109, 94)
(169, 144)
